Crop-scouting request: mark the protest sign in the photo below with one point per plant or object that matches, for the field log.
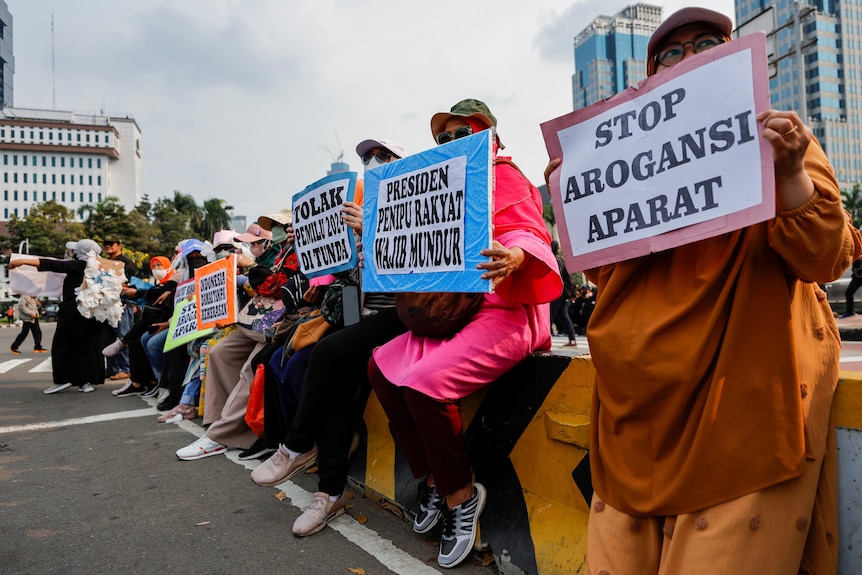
(426, 218)
(27, 280)
(215, 290)
(184, 290)
(324, 243)
(184, 324)
(675, 160)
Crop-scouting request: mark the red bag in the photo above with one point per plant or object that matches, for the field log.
(254, 410)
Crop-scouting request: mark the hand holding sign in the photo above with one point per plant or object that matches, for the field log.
(789, 138)
(504, 262)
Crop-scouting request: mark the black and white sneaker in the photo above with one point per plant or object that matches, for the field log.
(151, 391)
(428, 513)
(255, 451)
(459, 528)
(131, 391)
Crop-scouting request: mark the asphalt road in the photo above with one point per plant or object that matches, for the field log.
(89, 483)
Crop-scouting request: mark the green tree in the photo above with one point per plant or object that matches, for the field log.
(215, 218)
(47, 227)
(853, 203)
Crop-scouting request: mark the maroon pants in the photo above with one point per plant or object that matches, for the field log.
(429, 432)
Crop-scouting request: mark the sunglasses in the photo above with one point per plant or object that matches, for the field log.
(461, 132)
(382, 157)
(674, 53)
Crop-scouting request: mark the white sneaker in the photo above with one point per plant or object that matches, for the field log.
(57, 387)
(114, 348)
(203, 447)
(86, 388)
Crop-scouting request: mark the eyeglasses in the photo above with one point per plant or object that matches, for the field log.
(383, 156)
(675, 52)
(461, 132)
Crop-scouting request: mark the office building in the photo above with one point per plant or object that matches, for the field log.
(816, 70)
(7, 58)
(610, 53)
(74, 159)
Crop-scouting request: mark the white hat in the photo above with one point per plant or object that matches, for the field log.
(366, 146)
(281, 218)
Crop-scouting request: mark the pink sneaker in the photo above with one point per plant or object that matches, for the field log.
(280, 467)
(321, 512)
(114, 349)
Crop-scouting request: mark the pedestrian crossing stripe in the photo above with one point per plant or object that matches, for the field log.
(43, 366)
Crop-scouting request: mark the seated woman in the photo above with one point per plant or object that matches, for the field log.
(420, 380)
(159, 307)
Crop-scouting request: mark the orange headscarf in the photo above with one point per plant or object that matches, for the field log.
(166, 265)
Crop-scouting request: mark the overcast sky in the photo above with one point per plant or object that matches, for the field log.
(250, 101)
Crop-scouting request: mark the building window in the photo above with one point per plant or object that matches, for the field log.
(25, 195)
(6, 213)
(54, 196)
(88, 136)
(16, 212)
(15, 178)
(5, 195)
(25, 178)
(53, 178)
(24, 160)
(51, 135)
(62, 162)
(44, 161)
(99, 163)
(5, 177)
(89, 162)
(98, 180)
(62, 178)
(62, 196)
(100, 197)
(90, 197)
(15, 160)
(14, 195)
(80, 180)
(90, 180)
(44, 196)
(44, 178)
(5, 159)
(79, 136)
(80, 162)
(81, 197)
(53, 162)
(41, 135)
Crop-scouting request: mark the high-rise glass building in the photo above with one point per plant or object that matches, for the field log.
(610, 53)
(817, 71)
(7, 59)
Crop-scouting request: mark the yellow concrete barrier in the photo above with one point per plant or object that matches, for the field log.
(528, 438)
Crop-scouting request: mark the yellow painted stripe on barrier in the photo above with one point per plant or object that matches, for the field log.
(380, 453)
(848, 400)
(545, 468)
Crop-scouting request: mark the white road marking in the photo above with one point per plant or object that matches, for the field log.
(10, 364)
(383, 550)
(149, 411)
(43, 367)
(851, 358)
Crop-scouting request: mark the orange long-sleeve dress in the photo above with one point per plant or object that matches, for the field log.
(706, 354)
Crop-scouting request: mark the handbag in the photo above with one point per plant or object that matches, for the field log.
(437, 314)
(254, 409)
(260, 313)
(305, 331)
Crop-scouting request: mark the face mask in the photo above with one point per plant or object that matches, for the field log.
(278, 235)
(160, 274)
(220, 255)
(373, 163)
(196, 262)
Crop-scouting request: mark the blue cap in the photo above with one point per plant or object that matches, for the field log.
(192, 245)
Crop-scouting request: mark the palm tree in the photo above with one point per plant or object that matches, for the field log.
(215, 217)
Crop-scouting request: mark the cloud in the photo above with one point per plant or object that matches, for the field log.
(554, 40)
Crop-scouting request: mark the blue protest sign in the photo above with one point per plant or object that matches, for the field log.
(426, 218)
(324, 243)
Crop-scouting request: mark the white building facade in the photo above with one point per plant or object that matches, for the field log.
(73, 159)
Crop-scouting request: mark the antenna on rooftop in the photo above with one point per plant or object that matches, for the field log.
(53, 75)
